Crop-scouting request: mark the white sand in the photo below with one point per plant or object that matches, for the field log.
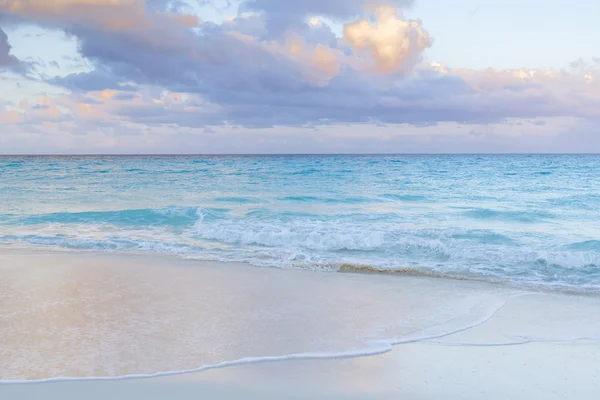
(74, 314)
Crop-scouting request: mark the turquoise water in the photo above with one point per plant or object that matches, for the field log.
(524, 219)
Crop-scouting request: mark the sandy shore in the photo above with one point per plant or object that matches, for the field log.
(77, 315)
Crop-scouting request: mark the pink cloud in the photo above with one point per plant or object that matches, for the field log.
(392, 42)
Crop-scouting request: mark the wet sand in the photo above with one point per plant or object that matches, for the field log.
(73, 316)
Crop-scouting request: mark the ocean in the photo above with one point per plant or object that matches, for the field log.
(526, 220)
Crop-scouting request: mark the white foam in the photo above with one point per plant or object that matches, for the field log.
(224, 364)
(315, 235)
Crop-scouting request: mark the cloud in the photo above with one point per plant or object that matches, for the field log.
(114, 15)
(248, 76)
(155, 67)
(558, 135)
(432, 95)
(392, 42)
(8, 116)
(342, 9)
(319, 63)
(107, 14)
(284, 15)
(6, 59)
(129, 42)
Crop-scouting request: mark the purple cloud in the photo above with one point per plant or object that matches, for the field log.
(283, 16)
(239, 73)
(6, 60)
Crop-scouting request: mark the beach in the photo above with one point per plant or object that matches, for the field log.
(358, 277)
(306, 199)
(415, 371)
(100, 325)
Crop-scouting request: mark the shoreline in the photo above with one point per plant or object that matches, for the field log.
(341, 268)
(473, 318)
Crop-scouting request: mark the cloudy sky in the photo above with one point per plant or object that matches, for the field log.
(299, 76)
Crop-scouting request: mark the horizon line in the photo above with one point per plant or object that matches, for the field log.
(271, 154)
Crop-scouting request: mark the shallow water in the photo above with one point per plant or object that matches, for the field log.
(524, 219)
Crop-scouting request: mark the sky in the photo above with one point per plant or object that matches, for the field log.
(311, 76)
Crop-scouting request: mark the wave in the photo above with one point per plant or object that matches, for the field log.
(405, 197)
(238, 200)
(515, 216)
(579, 201)
(328, 200)
(301, 198)
(12, 164)
(306, 171)
(486, 237)
(108, 243)
(359, 254)
(588, 245)
(446, 253)
(376, 243)
(174, 216)
(290, 236)
(306, 233)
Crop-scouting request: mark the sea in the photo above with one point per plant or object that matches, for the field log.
(524, 220)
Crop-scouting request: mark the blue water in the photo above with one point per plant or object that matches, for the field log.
(523, 219)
